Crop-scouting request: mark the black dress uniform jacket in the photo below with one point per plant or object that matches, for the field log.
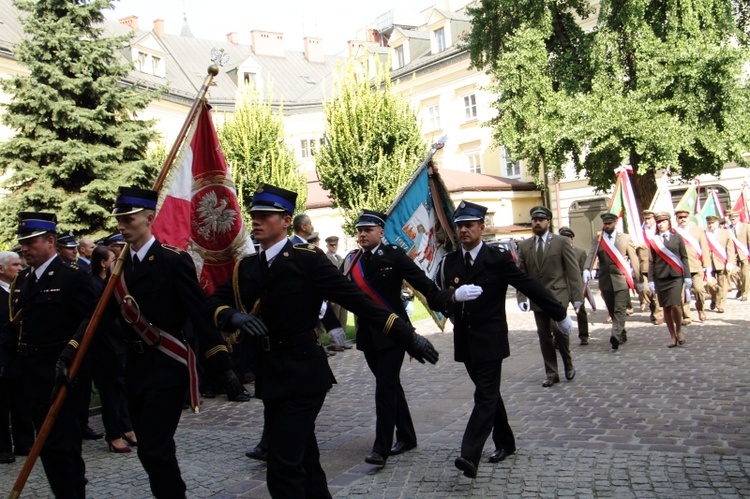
(480, 326)
(47, 315)
(167, 292)
(387, 268)
(290, 293)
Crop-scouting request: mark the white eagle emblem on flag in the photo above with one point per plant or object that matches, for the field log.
(214, 216)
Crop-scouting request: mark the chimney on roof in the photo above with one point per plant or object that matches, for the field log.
(356, 48)
(131, 21)
(232, 38)
(374, 35)
(159, 27)
(314, 50)
(268, 43)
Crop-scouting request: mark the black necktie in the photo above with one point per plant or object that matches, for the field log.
(666, 238)
(136, 261)
(32, 277)
(467, 261)
(263, 261)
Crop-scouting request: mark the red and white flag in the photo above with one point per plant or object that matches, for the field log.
(198, 209)
(741, 206)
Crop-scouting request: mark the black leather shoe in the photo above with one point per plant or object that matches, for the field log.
(208, 394)
(615, 342)
(89, 434)
(375, 459)
(401, 447)
(7, 458)
(570, 374)
(258, 453)
(584, 342)
(469, 468)
(550, 381)
(500, 455)
(243, 396)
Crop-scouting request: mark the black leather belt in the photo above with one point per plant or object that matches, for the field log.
(31, 349)
(280, 343)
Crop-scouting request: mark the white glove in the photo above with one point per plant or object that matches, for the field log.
(640, 286)
(730, 267)
(323, 308)
(709, 273)
(523, 305)
(586, 276)
(565, 326)
(577, 305)
(652, 286)
(467, 292)
(688, 283)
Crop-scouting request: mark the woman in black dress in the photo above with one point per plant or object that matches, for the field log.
(669, 274)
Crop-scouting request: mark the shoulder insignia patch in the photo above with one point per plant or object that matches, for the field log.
(171, 248)
(305, 246)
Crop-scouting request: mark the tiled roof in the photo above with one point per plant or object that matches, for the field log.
(454, 180)
(187, 59)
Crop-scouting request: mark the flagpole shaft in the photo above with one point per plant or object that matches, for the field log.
(212, 72)
(88, 335)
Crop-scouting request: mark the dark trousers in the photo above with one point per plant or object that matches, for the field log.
(293, 457)
(583, 322)
(391, 408)
(546, 330)
(61, 453)
(15, 417)
(488, 414)
(155, 415)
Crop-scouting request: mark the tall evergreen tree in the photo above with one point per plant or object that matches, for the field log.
(254, 145)
(77, 136)
(656, 84)
(372, 145)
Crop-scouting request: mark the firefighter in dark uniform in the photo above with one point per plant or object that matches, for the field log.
(49, 302)
(480, 329)
(379, 270)
(161, 293)
(294, 375)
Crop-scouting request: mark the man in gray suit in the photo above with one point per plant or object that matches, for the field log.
(551, 259)
(619, 270)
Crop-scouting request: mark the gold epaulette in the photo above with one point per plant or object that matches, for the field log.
(171, 248)
(73, 343)
(305, 246)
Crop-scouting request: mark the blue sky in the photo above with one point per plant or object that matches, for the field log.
(336, 21)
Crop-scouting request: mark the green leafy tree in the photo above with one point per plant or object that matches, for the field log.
(254, 146)
(77, 137)
(372, 145)
(657, 84)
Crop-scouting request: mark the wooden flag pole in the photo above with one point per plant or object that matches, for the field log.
(88, 336)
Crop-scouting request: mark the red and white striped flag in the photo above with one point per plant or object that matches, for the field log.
(198, 209)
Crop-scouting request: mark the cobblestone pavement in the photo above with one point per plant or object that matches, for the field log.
(644, 421)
